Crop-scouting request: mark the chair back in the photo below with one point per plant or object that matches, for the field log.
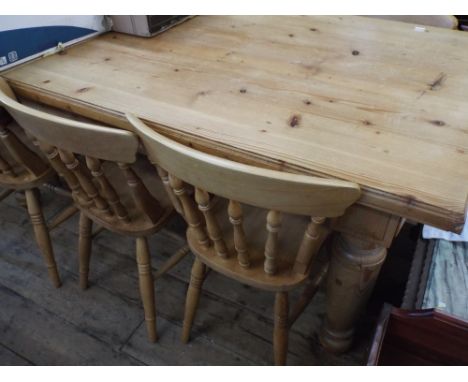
(20, 166)
(78, 150)
(275, 191)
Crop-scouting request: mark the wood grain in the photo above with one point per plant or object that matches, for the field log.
(365, 100)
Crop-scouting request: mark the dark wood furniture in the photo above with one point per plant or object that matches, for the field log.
(419, 337)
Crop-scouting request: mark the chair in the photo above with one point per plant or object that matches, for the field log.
(98, 164)
(227, 230)
(22, 169)
(440, 21)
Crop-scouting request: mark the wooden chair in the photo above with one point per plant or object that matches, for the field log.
(22, 169)
(440, 21)
(227, 231)
(97, 163)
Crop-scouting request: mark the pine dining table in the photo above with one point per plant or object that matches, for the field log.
(380, 103)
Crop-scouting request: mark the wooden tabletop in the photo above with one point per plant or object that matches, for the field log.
(380, 103)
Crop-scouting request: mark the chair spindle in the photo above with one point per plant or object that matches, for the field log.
(141, 196)
(271, 245)
(240, 243)
(204, 205)
(85, 181)
(53, 156)
(163, 174)
(108, 191)
(313, 238)
(192, 216)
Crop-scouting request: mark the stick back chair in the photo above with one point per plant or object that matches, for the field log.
(98, 164)
(232, 205)
(22, 169)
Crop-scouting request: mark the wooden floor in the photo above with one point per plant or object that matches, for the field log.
(40, 325)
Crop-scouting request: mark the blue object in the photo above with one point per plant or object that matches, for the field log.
(18, 44)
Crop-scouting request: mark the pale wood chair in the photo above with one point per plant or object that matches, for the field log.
(227, 215)
(22, 169)
(440, 21)
(98, 164)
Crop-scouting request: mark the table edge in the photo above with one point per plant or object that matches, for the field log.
(406, 207)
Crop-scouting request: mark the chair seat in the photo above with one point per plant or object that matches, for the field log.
(290, 235)
(139, 224)
(23, 179)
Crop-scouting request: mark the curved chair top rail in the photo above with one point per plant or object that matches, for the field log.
(440, 21)
(269, 189)
(78, 137)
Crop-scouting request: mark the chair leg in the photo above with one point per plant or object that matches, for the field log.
(42, 234)
(84, 248)
(146, 286)
(280, 334)
(193, 296)
(63, 216)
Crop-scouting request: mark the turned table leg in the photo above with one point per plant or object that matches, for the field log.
(354, 267)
